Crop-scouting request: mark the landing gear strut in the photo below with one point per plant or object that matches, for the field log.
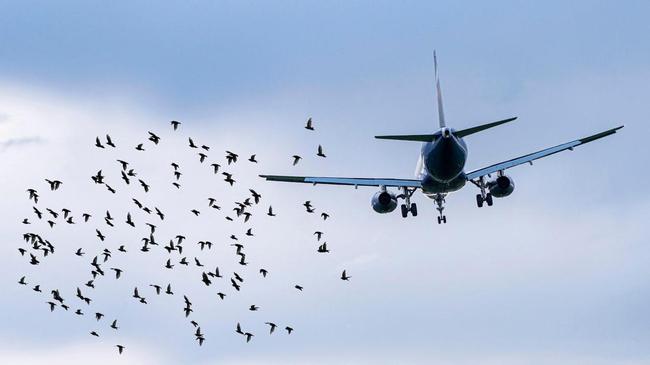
(440, 201)
(483, 197)
(408, 206)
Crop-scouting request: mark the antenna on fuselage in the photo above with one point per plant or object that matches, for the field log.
(441, 112)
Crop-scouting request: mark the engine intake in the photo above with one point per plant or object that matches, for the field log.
(501, 187)
(384, 202)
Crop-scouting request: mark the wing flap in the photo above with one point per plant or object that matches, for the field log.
(353, 181)
(529, 158)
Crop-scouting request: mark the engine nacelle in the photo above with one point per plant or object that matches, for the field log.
(501, 187)
(384, 202)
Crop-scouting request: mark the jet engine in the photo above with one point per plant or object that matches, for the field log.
(501, 187)
(384, 202)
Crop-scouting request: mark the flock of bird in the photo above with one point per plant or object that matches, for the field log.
(38, 248)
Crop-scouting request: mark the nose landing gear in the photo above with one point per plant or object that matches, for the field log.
(440, 201)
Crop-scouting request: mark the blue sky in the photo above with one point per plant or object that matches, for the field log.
(556, 273)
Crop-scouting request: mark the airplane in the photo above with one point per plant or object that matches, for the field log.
(441, 167)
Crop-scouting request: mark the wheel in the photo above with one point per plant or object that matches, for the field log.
(479, 200)
(414, 210)
(444, 219)
(488, 199)
(405, 211)
(439, 220)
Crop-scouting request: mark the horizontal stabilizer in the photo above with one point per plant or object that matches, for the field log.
(410, 137)
(354, 181)
(466, 132)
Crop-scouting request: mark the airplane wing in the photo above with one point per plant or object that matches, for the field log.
(529, 158)
(346, 181)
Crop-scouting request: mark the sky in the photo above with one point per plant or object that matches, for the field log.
(556, 273)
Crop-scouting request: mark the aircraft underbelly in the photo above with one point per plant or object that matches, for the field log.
(431, 186)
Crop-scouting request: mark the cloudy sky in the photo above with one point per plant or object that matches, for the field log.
(554, 274)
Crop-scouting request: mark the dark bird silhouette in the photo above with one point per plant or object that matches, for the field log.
(144, 186)
(228, 178)
(256, 196)
(231, 157)
(54, 184)
(93, 333)
(79, 252)
(264, 272)
(169, 290)
(33, 259)
(154, 138)
(323, 248)
(118, 272)
(37, 288)
(253, 308)
(320, 151)
(175, 124)
(207, 148)
(196, 212)
(296, 159)
(120, 349)
(234, 284)
(109, 188)
(202, 157)
(114, 325)
(22, 281)
(109, 141)
(169, 265)
(124, 164)
(318, 234)
(324, 216)
(221, 295)
(98, 316)
(205, 279)
(139, 147)
(192, 145)
(289, 329)
(98, 143)
(125, 178)
(252, 159)
(177, 185)
(248, 336)
(270, 212)
(157, 287)
(238, 330)
(298, 287)
(216, 167)
(344, 276)
(309, 125)
(52, 305)
(160, 214)
(129, 221)
(249, 232)
(100, 235)
(86, 217)
(272, 327)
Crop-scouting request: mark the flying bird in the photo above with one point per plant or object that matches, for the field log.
(309, 125)
(296, 159)
(175, 124)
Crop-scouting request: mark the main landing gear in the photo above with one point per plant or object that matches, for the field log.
(440, 201)
(408, 206)
(483, 197)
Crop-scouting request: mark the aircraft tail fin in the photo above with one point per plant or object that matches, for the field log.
(466, 132)
(441, 112)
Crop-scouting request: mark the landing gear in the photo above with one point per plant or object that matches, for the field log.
(440, 201)
(408, 206)
(487, 199)
(484, 196)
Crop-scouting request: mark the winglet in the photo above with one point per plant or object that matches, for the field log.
(441, 112)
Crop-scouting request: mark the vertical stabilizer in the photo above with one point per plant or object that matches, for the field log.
(441, 112)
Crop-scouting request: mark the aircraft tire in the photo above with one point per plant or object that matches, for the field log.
(414, 210)
(488, 199)
(405, 211)
(479, 200)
